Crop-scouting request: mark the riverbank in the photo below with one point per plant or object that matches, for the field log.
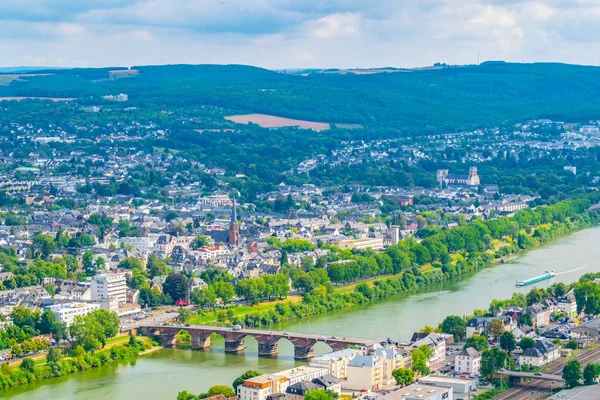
(117, 349)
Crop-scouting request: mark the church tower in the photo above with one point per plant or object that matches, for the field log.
(234, 234)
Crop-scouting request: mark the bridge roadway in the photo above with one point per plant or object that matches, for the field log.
(267, 340)
(539, 376)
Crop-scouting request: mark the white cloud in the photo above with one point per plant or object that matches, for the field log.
(334, 25)
(298, 33)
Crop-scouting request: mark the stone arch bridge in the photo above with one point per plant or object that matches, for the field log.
(267, 340)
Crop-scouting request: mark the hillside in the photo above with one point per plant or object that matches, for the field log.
(419, 101)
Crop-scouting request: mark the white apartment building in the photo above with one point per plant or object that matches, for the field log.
(110, 286)
(68, 311)
(468, 361)
(260, 387)
(336, 362)
(438, 343)
(365, 373)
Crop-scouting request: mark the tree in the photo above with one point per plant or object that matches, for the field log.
(224, 290)
(204, 297)
(420, 359)
(492, 360)
(320, 394)
(526, 319)
(184, 315)
(44, 244)
(87, 259)
(590, 373)
(176, 286)
(46, 322)
(22, 317)
(200, 241)
(220, 389)
(495, 328)
(572, 373)
(130, 263)
(478, 342)
(92, 330)
(403, 376)
(508, 342)
(246, 375)
(535, 295)
(171, 215)
(572, 344)
(526, 343)
(28, 365)
(454, 325)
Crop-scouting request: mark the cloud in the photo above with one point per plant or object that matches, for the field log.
(298, 33)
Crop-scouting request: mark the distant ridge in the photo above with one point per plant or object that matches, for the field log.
(12, 70)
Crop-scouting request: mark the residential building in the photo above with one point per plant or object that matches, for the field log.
(540, 315)
(467, 361)
(67, 312)
(438, 343)
(336, 362)
(260, 387)
(567, 304)
(392, 359)
(420, 392)
(479, 325)
(364, 372)
(542, 353)
(364, 243)
(110, 286)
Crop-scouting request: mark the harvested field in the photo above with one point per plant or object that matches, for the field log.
(37, 98)
(270, 121)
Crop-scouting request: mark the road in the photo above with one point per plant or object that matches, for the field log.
(539, 390)
(158, 317)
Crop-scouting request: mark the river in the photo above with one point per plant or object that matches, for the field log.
(162, 374)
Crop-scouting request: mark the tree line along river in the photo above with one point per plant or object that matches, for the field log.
(162, 374)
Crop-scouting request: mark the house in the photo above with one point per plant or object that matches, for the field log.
(438, 343)
(542, 353)
(364, 373)
(479, 325)
(298, 390)
(468, 361)
(329, 382)
(540, 315)
(567, 304)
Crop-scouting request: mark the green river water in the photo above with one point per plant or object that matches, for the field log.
(162, 374)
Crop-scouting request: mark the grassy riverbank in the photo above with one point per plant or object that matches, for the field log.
(565, 218)
(56, 365)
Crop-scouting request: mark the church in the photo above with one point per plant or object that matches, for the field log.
(445, 178)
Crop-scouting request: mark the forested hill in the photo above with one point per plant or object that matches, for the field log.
(418, 101)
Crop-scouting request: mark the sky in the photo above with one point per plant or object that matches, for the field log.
(297, 33)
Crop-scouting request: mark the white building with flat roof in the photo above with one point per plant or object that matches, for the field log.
(67, 312)
(336, 362)
(110, 286)
(420, 392)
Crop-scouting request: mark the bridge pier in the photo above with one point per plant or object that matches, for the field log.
(234, 345)
(168, 340)
(302, 353)
(267, 349)
(200, 342)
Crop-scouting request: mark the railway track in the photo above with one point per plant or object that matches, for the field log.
(539, 389)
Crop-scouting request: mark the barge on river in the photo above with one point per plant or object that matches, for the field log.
(543, 277)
